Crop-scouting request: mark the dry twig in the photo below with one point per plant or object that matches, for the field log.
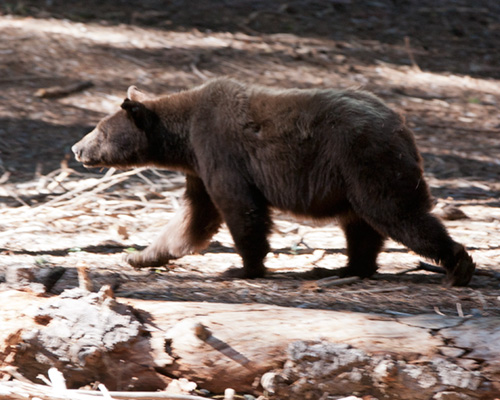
(61, 91)
(410, 55)
(336, 281)
(377, 290)
(84, 281)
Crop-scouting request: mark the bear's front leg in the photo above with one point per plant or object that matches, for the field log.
(172, 243)
(246, 214)
(190, 230)
(249, 230)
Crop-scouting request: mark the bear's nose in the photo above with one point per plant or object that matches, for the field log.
(77, 151)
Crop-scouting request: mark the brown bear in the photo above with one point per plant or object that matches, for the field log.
(246, 149)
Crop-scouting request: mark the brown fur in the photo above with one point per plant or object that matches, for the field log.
(244, 149)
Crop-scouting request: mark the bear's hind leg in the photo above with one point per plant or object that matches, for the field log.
(363, 246)
(189, 230)
(390, 193)
(426, 235)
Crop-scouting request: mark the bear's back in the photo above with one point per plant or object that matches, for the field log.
(296, 145)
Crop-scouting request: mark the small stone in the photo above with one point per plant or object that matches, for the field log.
(468, 364)
(451, 396)
(453, 352)
(229, 394)
(350, 398)
(385, 371)
(451, 213)
(181, 386)
(269, 381)
(454, 375)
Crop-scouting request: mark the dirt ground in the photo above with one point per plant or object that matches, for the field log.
(436, 62)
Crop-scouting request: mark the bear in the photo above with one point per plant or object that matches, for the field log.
(326, 154)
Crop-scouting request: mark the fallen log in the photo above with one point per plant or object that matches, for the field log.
(287, 353)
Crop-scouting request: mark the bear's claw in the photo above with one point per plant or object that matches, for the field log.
(138, 261)
(463, 270)
(244, 273)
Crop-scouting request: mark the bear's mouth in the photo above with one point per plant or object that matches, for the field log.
(91, 163)
(88, 162)
(85, 161)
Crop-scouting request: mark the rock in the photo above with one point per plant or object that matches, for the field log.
(450, 213)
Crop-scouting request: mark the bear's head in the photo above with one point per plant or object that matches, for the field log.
(121, 139)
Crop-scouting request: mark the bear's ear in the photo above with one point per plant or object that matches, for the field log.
(142, 117)
(135, 94)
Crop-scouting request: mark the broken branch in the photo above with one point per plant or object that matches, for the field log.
(61, 91)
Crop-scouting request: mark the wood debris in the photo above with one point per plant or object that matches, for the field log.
(61, 91)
